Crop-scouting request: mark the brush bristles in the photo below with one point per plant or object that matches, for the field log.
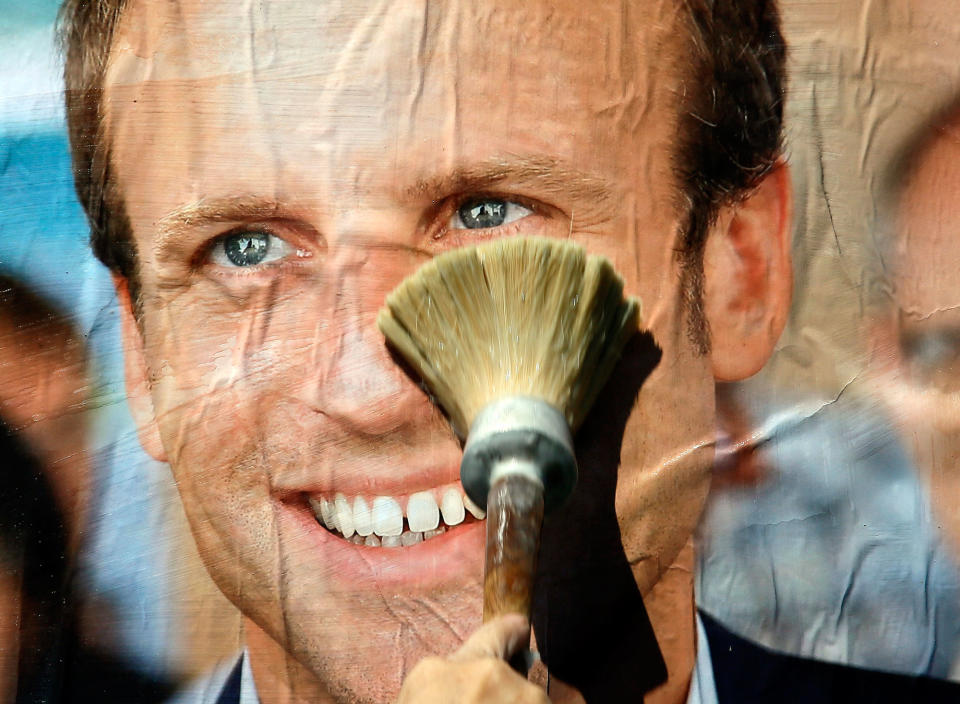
(512, 317)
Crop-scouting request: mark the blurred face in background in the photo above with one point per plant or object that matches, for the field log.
(44, 485)
(921, 359)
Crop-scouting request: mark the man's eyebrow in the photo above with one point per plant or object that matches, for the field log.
(206, 211)
(548, 175)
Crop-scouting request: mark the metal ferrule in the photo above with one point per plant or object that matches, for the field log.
(519, 435)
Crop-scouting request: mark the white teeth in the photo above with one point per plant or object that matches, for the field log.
(322, 510)
(422, 512)
(327, 513)
(382, 524)
(451, 506)
(362, 520)
(408, 538)
(344, 515)
(474, 510)
(317, 506)
(387, 517)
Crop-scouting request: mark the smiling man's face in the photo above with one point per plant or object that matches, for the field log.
(284, 168)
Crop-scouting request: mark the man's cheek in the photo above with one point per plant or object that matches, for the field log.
(209, 393)
(224, 413)
(214, 444)
(222, 461)
(201, 350)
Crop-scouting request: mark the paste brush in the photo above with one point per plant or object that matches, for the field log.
(514, 338)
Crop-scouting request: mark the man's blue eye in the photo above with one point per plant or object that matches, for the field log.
(478, 214)
(249, 248)
(483, 213)
(246, 248)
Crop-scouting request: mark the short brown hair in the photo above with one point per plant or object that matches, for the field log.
(731, 124)
(86, 29)
(731, 121)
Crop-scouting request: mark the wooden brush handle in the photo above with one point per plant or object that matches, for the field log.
(514, 519)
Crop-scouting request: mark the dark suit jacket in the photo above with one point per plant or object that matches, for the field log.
(230, 694)
(747, 673)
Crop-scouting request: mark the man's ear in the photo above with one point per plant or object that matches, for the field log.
(749, 277)
(136, 374)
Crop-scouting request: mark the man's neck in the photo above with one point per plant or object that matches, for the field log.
(670, 605)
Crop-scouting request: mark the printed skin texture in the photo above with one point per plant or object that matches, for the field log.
(347, 137)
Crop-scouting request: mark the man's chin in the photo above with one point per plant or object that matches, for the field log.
(369, 675)
(325, 669)
(363, 652)
(358, 618)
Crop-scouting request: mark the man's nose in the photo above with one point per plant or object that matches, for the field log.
(361, 386)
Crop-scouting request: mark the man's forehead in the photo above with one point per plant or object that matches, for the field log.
(191, 40)
(317, 94)
(203, 39)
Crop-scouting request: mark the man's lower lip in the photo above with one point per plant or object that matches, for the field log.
(456, 554)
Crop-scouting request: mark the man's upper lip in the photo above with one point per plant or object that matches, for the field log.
(374, 479)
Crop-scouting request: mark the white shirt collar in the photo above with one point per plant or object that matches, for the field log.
(248, 689)
(703, 690)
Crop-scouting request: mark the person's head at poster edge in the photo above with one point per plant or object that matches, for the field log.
(915, 326)
(258, 180)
